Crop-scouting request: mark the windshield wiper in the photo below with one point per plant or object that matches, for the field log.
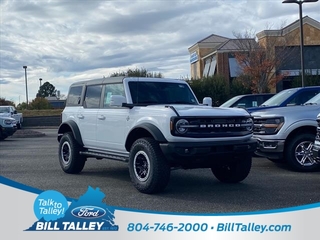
(148, 102)
(180, 102)
(310, 103)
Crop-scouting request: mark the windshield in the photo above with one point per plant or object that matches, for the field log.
(4, 109)
(161, 93)
(279, 98)
(314, 100)
(230, 102)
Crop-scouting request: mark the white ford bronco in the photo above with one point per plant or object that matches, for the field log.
(155, 125)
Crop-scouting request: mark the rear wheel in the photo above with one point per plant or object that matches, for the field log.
(298, 153)
(69, 154)
(148, 168)
(233, 171)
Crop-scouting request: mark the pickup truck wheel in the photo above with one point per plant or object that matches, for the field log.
(233, 171)
(69, 154)
(298, 153)
(149, 171)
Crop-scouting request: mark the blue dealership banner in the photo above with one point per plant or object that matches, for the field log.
(27, 212)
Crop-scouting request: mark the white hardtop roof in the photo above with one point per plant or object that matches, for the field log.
(127, 79)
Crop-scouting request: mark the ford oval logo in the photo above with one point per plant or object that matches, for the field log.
(88, 212)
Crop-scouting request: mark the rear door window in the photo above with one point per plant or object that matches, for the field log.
(93, 96)
(74, 96)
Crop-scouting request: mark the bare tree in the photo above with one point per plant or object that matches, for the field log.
(259, 61)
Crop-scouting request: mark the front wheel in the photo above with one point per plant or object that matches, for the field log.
(148, 168)
(234, 170)
(298, 153)
(69, 154)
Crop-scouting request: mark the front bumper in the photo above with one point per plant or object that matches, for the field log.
(202, 154)
(8, 131)
(268, 148)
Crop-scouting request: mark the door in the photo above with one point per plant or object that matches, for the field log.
(87, 116)
(112, 120)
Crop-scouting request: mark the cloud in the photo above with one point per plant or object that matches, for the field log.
(63, 41)
(4, 81)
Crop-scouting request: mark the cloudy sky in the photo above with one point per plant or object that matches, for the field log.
(63, 41)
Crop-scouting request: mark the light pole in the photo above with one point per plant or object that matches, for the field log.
(300, 2)
(25, 76)
(40, 79)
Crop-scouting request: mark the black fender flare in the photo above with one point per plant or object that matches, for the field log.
(152, 129)
(66, 126)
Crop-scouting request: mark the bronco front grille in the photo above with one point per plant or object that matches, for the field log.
(205, 127)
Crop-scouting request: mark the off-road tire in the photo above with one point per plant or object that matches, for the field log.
(148, 168)
(294, 159)
(69, 154)
(233, 171)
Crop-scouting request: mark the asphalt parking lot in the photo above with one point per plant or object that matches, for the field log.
(34, 162)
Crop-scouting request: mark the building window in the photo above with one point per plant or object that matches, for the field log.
(234, 68)
(212, 66)
(209, 67)
(206, 67)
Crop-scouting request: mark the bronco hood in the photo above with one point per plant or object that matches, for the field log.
(202, 110)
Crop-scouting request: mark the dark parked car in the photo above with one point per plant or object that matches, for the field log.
(288, 97)
(248, 100)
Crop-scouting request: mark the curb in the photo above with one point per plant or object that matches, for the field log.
(41, 127)
(27, 133)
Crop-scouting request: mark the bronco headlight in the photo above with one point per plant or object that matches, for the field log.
(181, 126)
(7, 122)
(248, 123)
(270, 126)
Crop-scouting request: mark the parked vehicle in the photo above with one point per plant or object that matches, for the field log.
(8, 127)
(288, 97)
(153, 124)
(316, 144)
(287, 134)
(247, 100)
(10, 111)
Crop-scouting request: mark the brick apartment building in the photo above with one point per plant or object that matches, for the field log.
(213, 55)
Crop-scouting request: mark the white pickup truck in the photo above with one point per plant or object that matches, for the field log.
(10, 111)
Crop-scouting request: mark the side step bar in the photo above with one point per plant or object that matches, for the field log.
(105, 155)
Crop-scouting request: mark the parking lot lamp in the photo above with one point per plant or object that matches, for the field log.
(300, 2)
(25, 76)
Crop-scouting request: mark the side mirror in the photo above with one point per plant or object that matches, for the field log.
(117, 100)
(207, 101)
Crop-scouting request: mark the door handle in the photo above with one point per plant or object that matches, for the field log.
(101, 117)
(80, 116)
